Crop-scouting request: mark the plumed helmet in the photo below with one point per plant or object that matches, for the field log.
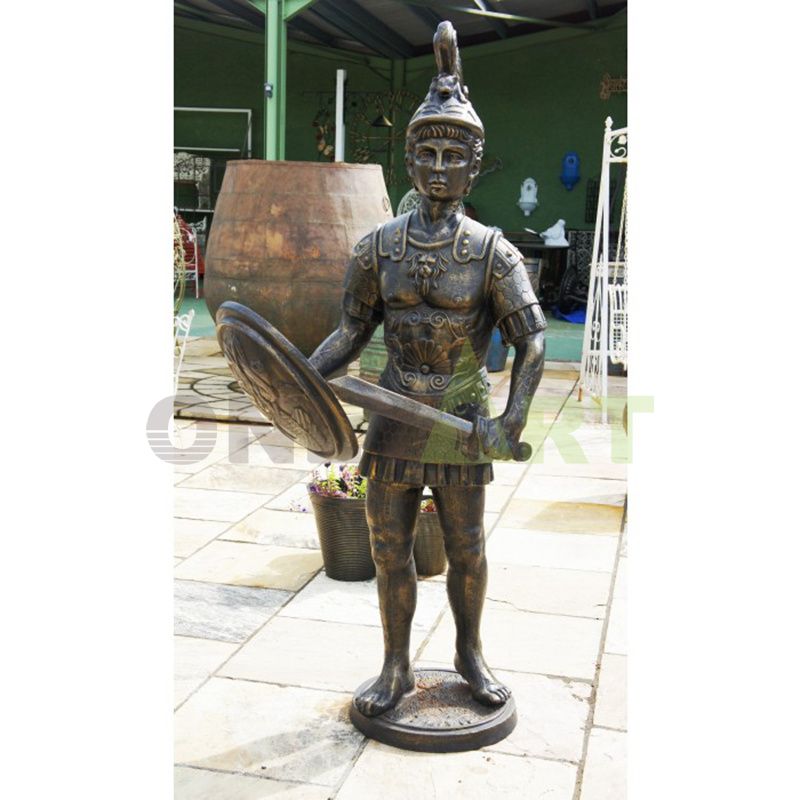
(447, 100)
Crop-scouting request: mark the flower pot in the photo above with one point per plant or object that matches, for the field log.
(429, 552)
(343, 537)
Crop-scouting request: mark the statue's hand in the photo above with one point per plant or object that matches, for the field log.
(499, 439)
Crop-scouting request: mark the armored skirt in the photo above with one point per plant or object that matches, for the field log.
(441, 460)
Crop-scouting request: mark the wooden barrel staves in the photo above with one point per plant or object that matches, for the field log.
(282, 235)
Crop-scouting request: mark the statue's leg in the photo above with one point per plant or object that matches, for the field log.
(461, 514)
(392, 514)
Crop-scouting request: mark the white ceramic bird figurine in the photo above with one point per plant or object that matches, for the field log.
(555, 234)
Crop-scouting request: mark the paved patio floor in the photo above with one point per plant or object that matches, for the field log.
(268, 649)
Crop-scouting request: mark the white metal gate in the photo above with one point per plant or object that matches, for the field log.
(605, 335)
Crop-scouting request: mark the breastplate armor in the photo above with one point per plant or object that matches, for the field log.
(437, 329)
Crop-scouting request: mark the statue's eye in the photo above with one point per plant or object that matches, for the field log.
(425, 155)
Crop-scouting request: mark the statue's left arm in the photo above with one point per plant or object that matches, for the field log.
(362, 312)
(519, 316)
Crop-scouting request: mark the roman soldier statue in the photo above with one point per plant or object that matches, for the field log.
(439, 282)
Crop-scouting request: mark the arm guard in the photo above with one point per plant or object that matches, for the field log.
(514, 305)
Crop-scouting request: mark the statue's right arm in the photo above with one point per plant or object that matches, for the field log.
(343, 345)
(362, 311)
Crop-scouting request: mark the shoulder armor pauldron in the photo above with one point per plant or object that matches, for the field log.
(471, 241)
(364, 251)
(505, 257)
(393, 237)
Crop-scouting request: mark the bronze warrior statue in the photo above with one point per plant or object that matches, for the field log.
(439, 282)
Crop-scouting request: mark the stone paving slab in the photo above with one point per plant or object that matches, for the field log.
(552, 591)
(549, 464)
(270, 526)
(312, 654)
(200, 346)
(508, 473)
(604, 774)
(392, 774)
(191, 534)
(556, 550)
(247, 477)
(195, 661)
(552, 715)
(263, 454)
(356, 602)
(244, 564)
(296, 496)
(202, 784)
(215, 505)
(562, 517)
(546, 644)
(617, 636)
(611, 704)
(225, 613)
(497, 496)
(279, 732)
(596, 491)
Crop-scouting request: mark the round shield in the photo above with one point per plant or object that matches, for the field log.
(282, 384)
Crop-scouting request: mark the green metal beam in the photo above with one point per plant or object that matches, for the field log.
(293, 7)
(501, 15)
(275, 76)
(276, 12)
(224, 31)
(500, 28)
(378, 64)
(254, 18)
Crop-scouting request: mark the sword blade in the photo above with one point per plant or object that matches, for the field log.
(395, 406)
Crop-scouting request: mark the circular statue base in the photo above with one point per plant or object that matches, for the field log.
(439, 716)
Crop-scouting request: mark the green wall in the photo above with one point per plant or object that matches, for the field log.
(217, 71)
(310, 82)
(538, 97)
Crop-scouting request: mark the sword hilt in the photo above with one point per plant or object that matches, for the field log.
(521, 451)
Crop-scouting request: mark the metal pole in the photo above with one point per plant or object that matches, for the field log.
(275, 82)
(341, 77)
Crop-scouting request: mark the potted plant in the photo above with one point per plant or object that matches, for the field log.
(429, 553)
(338, 497)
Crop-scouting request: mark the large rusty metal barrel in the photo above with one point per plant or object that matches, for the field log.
(282, 235)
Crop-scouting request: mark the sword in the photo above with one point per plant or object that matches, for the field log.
(403, 409)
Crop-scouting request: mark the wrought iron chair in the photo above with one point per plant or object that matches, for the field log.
(192, 251)
(183, 322)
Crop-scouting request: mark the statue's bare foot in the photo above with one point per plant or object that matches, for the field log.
(484, 686)
(383, 694)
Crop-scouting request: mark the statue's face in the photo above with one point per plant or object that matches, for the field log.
(441, 168)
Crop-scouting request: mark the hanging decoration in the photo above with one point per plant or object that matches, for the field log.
(528, 196)
(376, 128)
(609, 86)
(570, 169)
(325, 131)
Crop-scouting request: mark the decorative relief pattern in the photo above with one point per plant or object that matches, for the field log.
(442, 701)
(284, 402)
(425, 270)
(435, 318)
(424, 346)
